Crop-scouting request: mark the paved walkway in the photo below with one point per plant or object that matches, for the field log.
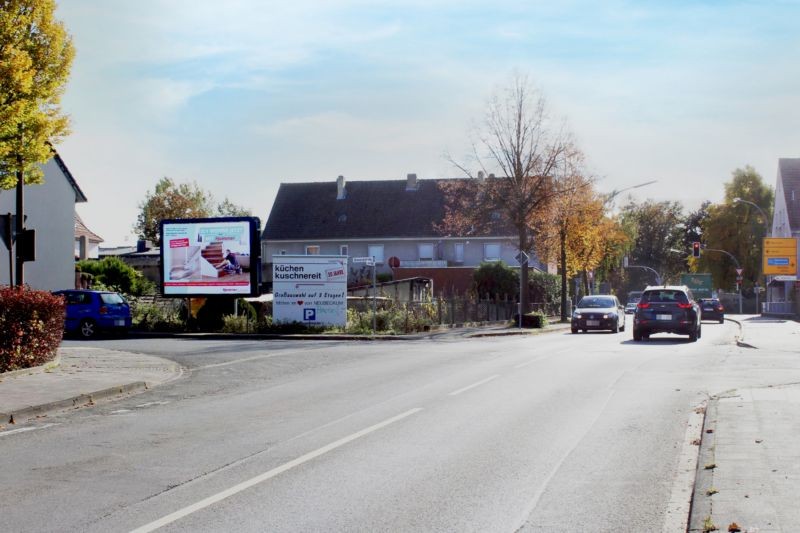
(83, 376)
(748, 476)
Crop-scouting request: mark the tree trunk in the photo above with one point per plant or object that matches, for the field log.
(564, 285)
(524, 298)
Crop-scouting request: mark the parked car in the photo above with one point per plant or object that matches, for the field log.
(712, 309)
(89, 312)
(667, 309)
(602, 311)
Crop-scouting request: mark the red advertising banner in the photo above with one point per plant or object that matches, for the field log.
(179, 243)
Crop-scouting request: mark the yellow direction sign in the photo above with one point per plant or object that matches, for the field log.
(780, 256)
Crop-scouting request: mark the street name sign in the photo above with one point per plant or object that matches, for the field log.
(780, 256)
(369, 261)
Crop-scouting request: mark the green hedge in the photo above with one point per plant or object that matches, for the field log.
(31, 327)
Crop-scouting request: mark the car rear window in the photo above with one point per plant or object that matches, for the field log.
(666, 296)
(111, 298)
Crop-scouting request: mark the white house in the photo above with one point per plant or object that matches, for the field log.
(50, 208)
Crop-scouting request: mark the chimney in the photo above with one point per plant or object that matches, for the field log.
(341, 193)
(481, 176)
(411, 182)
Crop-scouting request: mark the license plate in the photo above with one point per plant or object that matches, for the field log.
(119, 322)
(592, 322)
(663, 317)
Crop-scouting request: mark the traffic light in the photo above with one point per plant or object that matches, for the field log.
(695, 249)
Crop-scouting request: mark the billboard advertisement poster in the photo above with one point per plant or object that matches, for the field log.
(310, 289)
(210, 256)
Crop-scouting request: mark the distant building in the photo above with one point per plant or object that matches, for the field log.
(50, 210)
(87, 242)
(391, 220)
(145, 257)
(784, 291)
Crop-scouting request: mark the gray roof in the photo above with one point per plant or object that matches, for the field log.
(789, 169)
(371, 209)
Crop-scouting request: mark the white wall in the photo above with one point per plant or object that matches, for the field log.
(51, 212)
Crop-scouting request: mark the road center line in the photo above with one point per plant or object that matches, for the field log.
(478, 384)
(202, 504)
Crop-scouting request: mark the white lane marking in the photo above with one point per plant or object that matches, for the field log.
(120, 411)
(149, 404)
(538, 496)
(22, 430)
(202, 504)
(254, 358)
(680, 501)
(478, 384)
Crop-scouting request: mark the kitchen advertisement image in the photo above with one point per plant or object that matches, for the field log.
(203, 257)
(310, 289)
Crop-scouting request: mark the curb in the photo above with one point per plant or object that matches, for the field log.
(34, 369)
(535, 331)
(740, 338)
(680, 508)
(81, 400)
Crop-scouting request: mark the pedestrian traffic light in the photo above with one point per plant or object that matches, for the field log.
(695, 249)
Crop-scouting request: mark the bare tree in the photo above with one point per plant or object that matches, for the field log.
(519, 148)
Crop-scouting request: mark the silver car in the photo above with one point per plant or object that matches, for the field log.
(601, 311)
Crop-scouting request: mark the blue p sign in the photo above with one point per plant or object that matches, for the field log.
(310, 314)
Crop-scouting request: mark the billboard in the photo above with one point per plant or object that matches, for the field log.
(210, 257)
(780, 256)
(310, 289)
(699, 284)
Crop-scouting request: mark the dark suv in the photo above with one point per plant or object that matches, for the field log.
(712, 309)
(667, 309)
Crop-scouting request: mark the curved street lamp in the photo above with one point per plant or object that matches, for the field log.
(763, 214)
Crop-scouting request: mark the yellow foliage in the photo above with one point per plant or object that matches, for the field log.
(35, 58)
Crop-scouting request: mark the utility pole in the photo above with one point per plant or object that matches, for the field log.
(20, 226)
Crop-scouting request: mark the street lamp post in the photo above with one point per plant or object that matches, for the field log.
(767, 232)
(614, 193)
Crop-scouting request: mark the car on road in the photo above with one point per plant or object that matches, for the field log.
(88, 312)
(600, 311)
(667, 309)
(630, 307)
(712, 309)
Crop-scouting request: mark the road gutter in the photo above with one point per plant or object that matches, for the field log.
(679, 508)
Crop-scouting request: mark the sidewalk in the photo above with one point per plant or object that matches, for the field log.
(84, 375)
(748, 475)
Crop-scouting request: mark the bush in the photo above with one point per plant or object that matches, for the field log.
(31, 327)
(113, 273)
(495, 279)
(155, 317)
(238, 324)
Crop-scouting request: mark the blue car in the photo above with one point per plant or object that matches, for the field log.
(89, 312)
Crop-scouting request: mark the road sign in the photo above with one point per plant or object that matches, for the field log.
(780, 256)
(370, 261)
(739, 272)
(521, 257)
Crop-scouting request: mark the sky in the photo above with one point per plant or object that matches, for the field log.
(243, 95)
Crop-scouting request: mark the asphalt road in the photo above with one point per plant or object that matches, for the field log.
(557, 432)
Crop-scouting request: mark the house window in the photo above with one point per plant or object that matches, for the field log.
(491, 252)
(425, 252)
(344, 249)
(458, 252)
(376, 251)
(312, 250)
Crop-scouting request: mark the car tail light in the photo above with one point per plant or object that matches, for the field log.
(103, 309)
(685, 306)
(720, 308)
(643, 305)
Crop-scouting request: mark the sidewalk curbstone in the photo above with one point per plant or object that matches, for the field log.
(33, 411)
(50, 365)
